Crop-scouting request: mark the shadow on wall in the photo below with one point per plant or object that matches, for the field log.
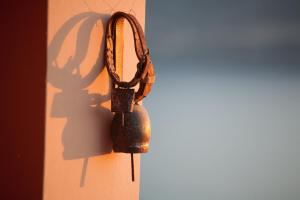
(86, 132)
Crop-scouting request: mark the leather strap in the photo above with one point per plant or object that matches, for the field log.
(145, 74)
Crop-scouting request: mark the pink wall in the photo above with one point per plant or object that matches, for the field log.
(79, 162)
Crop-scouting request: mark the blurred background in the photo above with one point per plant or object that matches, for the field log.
(225, 109)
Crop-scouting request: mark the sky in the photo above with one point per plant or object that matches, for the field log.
(231, 32)
(225, 109)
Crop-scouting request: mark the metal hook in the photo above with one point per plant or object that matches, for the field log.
(131, 11)
(88, 6)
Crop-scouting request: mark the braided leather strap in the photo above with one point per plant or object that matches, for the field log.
(145, 74)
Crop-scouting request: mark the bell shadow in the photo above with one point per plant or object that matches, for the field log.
(87, 130)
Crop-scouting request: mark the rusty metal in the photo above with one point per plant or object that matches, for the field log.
(122, 100)
(132, 167)
(134, 136)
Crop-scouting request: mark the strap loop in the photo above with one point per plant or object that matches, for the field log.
(145, 74)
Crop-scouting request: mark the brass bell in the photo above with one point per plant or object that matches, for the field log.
(131, 131)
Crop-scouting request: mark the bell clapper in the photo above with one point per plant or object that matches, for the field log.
(132, 167)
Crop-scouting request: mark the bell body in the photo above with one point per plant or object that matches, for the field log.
(131, 131)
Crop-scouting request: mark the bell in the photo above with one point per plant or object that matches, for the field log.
(130, 128)
(131, 131)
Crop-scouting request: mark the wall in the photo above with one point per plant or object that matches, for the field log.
(23, 57)
(79, 162)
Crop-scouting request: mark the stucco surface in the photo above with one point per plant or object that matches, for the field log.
(79, 162)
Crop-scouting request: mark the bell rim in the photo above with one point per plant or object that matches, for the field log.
(131, 149)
